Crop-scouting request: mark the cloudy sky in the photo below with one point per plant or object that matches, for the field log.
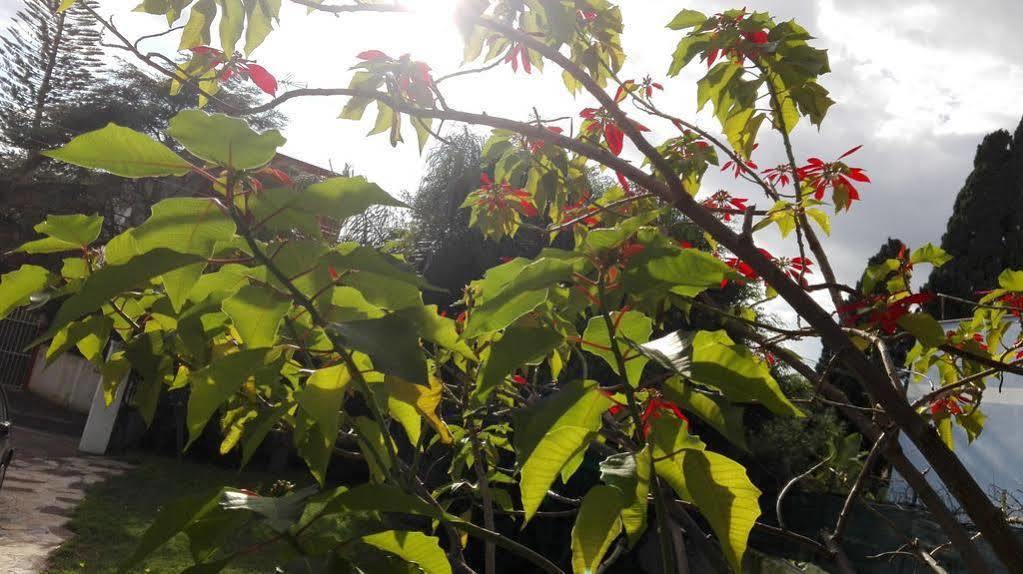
(918, 83)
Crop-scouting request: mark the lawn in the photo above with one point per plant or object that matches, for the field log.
(110, 521)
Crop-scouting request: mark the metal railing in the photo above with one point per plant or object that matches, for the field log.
(17, 330)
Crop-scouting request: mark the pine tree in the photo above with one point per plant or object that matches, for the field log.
(985, 232)
(48, 62)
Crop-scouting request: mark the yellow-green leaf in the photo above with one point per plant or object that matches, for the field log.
(121, 151)
(596, 526)
(413, 547)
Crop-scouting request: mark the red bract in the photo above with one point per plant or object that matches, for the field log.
(519, 380)
(877, 312)
(738, 168)
(263, 79)
(599, 121)
(725, 203)
(581, 211)
(535, 145)
(630, 250)
(944, 407)
(744, 269)
(647, 86)
(838, 176)
(624, 182)
(259, 75)
(749, 43)
(586, 15)
(372, 55)
(796, 267)
(655, 408)
(779, 175)
(277, 174)
(494, 197)
(518, 53)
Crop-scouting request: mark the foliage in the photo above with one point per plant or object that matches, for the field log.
(982, 236)
(49, 61)
(559, 363)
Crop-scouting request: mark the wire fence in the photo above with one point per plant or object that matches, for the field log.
(19, 329)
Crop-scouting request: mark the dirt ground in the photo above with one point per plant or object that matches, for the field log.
(44, 484)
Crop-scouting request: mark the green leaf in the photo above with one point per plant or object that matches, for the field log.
(726, 498)
(630, 474)
(232, 18)
(437, 329)
(256, 313)
(262, 14)
(633, 326)
(523, 293)
(413, 547)
(687, 19)
(109, 282)
(425, 400)
(1011, 280)
(257, 429)
(369, 497)
(596, 527)
(223, 140)
(928, 253)
(17, 287)
(551, 432)
(688, 272)
(392, 342)
(172, 519)
(89, 335)
(65, 233)
(121, 151)
(197, 29)
(343, 197)
(278, 512)
(519, 346)
(718, 413)
(711, 358)
(925, 328)
(716, 484)
(214, 384)
(322, 395)
(312, 445)
(185, 225)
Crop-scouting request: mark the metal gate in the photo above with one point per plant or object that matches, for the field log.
(19, 329)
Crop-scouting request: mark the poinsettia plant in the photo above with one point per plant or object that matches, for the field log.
(572, 357)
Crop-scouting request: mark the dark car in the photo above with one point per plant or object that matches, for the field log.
(6, 446)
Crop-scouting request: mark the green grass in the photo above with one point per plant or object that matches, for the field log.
(110, 521)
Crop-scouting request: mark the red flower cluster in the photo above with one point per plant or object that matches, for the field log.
(518, 53)
(723, 202)
(779, 175)
(412, 77)
(248, 69)
(534, 145)
(796, 267)
(647, 86)
(876, 312)
(498, 197)
(749, 46)
(737, 167)
(581, 209)
(838, 176)
(655, 409)
(599, 120)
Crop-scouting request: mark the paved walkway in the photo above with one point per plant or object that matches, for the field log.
(43, 486)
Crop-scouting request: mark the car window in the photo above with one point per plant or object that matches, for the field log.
(3, 405)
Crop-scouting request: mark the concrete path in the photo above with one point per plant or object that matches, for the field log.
(43, 486)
